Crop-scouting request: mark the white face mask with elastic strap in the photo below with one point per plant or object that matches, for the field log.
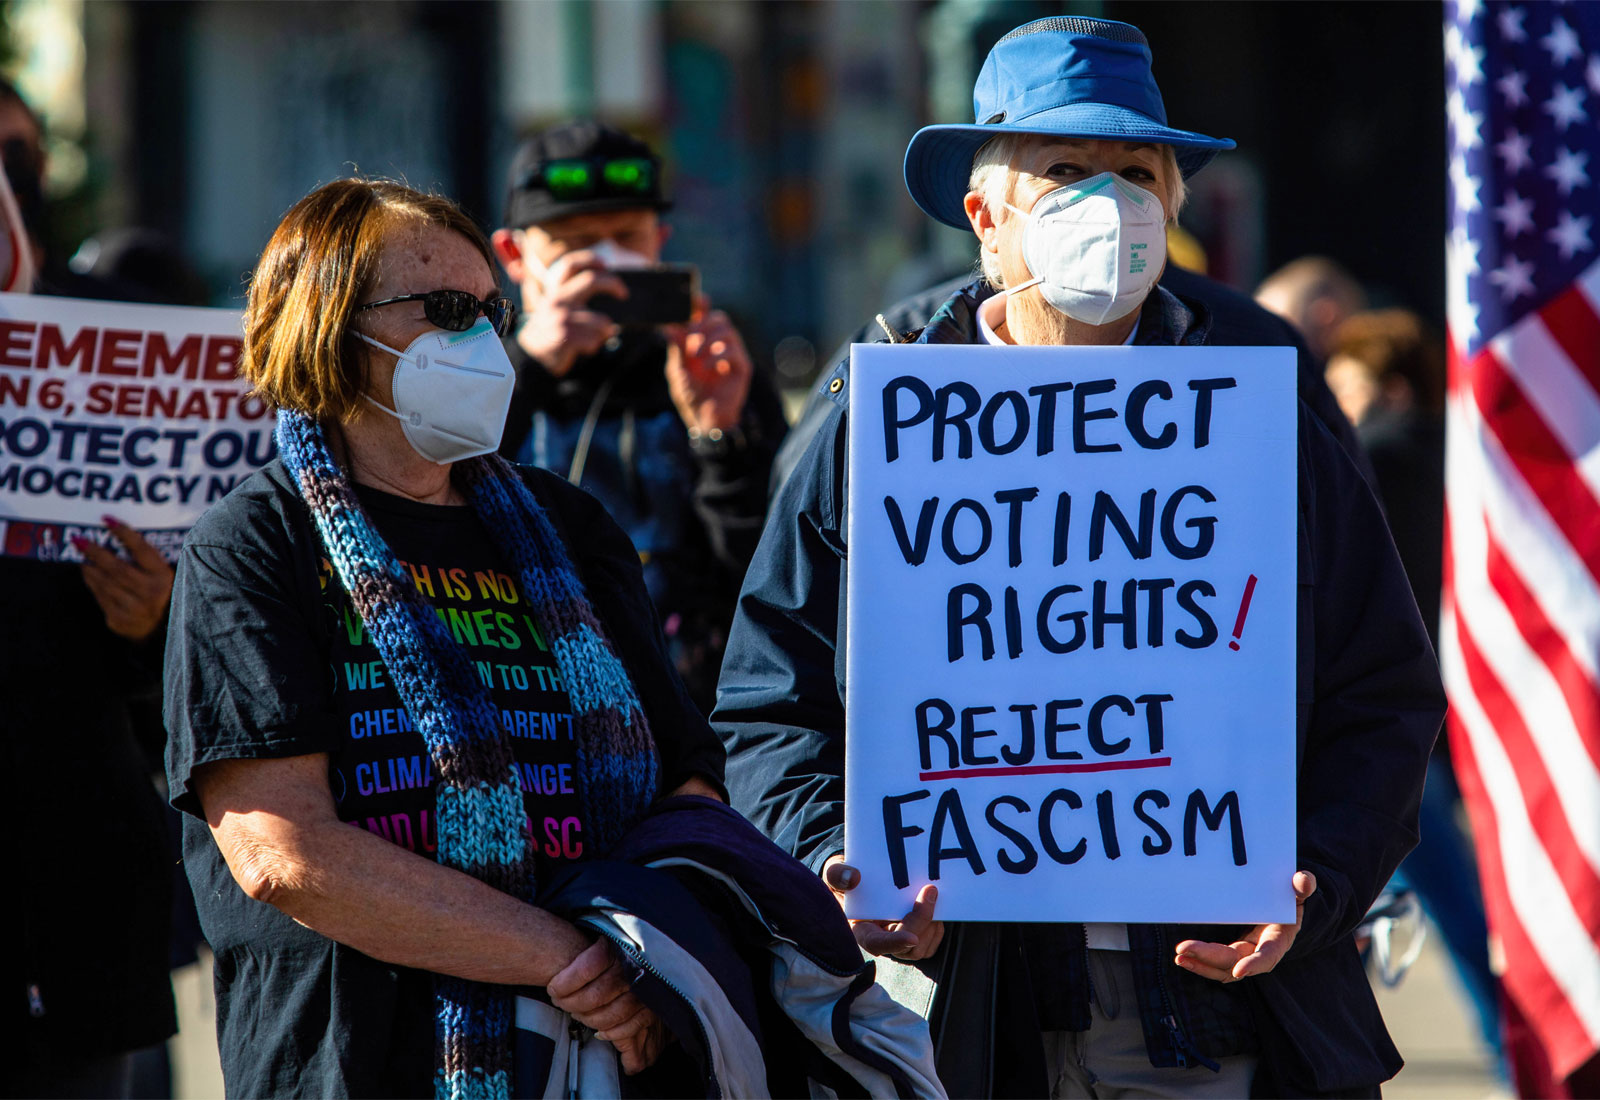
(1094, 248)
(451, 391)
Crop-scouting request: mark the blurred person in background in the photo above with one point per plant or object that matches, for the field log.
(87, 971)
(389, 538)
(1071, 155)
(669, 425)
(137, 265)
(1315, 295)
(1387, 372)
(1387, 369)
(22, 155)
(133, 264)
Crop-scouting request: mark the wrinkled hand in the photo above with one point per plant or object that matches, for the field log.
(134, 591)
(597, 989)
(559, 328)
(708, 371)
(1257, 953)
(914, 936)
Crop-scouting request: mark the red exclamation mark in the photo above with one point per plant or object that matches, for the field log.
(1244, 609)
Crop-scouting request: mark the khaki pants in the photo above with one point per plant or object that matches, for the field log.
(1109, 1061)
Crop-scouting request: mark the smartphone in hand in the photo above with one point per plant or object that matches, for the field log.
(663, 295)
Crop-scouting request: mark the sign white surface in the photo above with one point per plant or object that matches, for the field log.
(1071, 663)
(128, 411)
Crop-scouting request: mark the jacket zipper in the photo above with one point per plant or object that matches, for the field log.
(575, 1041)
(1088, 980)
(1182, 1048)
(633, 955)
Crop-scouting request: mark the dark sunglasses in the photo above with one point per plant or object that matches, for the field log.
(457, 310)
(628, 177)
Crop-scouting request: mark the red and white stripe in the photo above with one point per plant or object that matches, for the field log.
(1520, 651)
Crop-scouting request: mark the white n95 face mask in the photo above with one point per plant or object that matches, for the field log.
(617, 258)
(451, 391)
(1094, 248)
(607, 251)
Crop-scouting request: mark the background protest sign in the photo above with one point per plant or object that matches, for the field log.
(1071, 648)
(131, 411)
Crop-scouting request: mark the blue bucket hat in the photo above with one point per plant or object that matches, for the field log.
(1067, 75)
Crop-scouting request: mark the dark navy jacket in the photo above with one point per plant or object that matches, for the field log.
(747, 958)
(1369, 704)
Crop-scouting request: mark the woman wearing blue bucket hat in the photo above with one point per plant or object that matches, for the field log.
(1068, 177)
(1068, 76)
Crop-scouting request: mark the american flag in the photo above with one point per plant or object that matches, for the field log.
(1520, 629)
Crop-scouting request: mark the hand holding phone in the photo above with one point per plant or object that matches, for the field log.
(560, 327)
(708, 370)
(662, 295)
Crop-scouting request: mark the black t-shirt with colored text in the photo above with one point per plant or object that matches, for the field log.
(381, 773)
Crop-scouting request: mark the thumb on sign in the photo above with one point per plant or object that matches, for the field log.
(914, 936)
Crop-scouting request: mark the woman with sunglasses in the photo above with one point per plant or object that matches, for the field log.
(406, 682)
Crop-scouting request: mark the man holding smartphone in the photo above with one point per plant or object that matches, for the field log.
(630, 385)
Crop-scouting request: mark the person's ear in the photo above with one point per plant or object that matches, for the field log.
(982, 221)
(509, 250)
(664, 230)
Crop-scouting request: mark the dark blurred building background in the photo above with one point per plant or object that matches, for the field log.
(783, 122)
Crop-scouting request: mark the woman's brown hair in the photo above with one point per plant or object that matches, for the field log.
(1395, 343)
(319, 265)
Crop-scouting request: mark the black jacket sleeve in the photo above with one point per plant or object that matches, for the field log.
(780, 702)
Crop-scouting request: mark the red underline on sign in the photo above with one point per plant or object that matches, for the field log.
(1050, 769)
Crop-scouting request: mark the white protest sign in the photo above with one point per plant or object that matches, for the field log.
(128, 411)
(1071, 663)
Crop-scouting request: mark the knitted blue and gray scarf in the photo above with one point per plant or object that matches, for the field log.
(480, 812)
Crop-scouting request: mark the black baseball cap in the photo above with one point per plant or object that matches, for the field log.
(581, 167)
